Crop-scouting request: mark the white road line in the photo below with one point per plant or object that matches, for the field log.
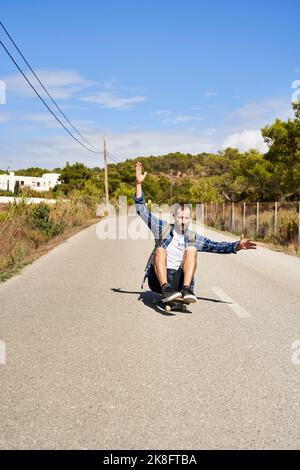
(240, 311)
(2, 353)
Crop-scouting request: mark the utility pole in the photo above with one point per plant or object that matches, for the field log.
(105, 174)
(8, 168)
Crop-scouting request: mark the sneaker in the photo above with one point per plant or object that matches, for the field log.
(188, 295)
(168, 293)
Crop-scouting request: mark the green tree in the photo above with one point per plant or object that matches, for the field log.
(204, 190)
(249, 179)
(74, 177)
(283, 139)
(32, 171)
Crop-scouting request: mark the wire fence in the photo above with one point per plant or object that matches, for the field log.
(273, 222)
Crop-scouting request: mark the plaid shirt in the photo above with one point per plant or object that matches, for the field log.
(157, 225)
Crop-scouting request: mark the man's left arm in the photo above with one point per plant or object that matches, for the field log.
(205, 244)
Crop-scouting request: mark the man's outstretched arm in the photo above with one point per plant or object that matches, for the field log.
(156, 225)
(204, 244)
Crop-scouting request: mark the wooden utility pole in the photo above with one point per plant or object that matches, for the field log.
(105, 174)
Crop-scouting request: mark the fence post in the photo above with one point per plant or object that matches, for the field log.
(232, 217)
(244, 217)
(275, 218)
(299, 223)
(223, 214)
(257, 217)
(202, 222)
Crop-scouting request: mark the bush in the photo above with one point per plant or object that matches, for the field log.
(266, 225)
(19, 252)
(3, 216)
(4, 192)
(24, 228)
(39, 219)
(287, 231)
(34, 237)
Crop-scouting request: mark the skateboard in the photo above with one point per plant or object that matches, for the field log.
(176, 305)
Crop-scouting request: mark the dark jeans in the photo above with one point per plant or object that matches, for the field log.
(175, 279)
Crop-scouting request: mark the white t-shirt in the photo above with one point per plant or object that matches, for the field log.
(175, 251)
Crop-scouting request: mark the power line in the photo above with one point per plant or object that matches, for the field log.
(44, 88)
(111, 157)
(45, 104)
(114, 158)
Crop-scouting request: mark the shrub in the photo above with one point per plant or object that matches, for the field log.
(3, 216)
(287, 231)
(19, 252)
(39, 219)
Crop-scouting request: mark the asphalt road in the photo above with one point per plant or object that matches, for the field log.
(90, 363)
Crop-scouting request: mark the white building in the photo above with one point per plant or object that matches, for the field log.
(47, 181)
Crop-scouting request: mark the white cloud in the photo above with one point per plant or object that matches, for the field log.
(157, 143)
(255, 114)
(108, 85)
(111, 100)
(4, 116)
(245, 140)
(61, 84)
(162, 112)
(210, 94)
(168, 117)
(182, 119)
(240, 129)
(50, 152)
(38, 117)
(208, 131)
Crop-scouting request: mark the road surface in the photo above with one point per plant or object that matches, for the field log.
(90, 363)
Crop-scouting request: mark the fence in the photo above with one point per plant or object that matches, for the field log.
(273, 222)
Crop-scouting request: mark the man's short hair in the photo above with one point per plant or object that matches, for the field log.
(182, 206)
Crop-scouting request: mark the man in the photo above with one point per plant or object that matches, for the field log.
(172, 264)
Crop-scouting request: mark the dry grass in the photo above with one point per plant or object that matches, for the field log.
(285, 239)
(22, 241)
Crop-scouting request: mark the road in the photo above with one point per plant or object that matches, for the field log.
(90, 363)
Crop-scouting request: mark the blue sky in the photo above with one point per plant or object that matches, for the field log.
(153, 76)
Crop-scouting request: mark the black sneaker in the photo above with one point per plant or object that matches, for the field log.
(168, 293)
(188, 295)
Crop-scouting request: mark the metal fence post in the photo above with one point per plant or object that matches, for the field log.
(244, 217)
(275, 218)
(257, 217)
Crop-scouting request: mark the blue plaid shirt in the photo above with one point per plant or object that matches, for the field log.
(157, 225)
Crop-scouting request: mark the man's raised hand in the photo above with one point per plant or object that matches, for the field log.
(245, 244)
(139, 173)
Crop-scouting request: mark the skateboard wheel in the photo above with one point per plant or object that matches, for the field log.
(168, 308)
